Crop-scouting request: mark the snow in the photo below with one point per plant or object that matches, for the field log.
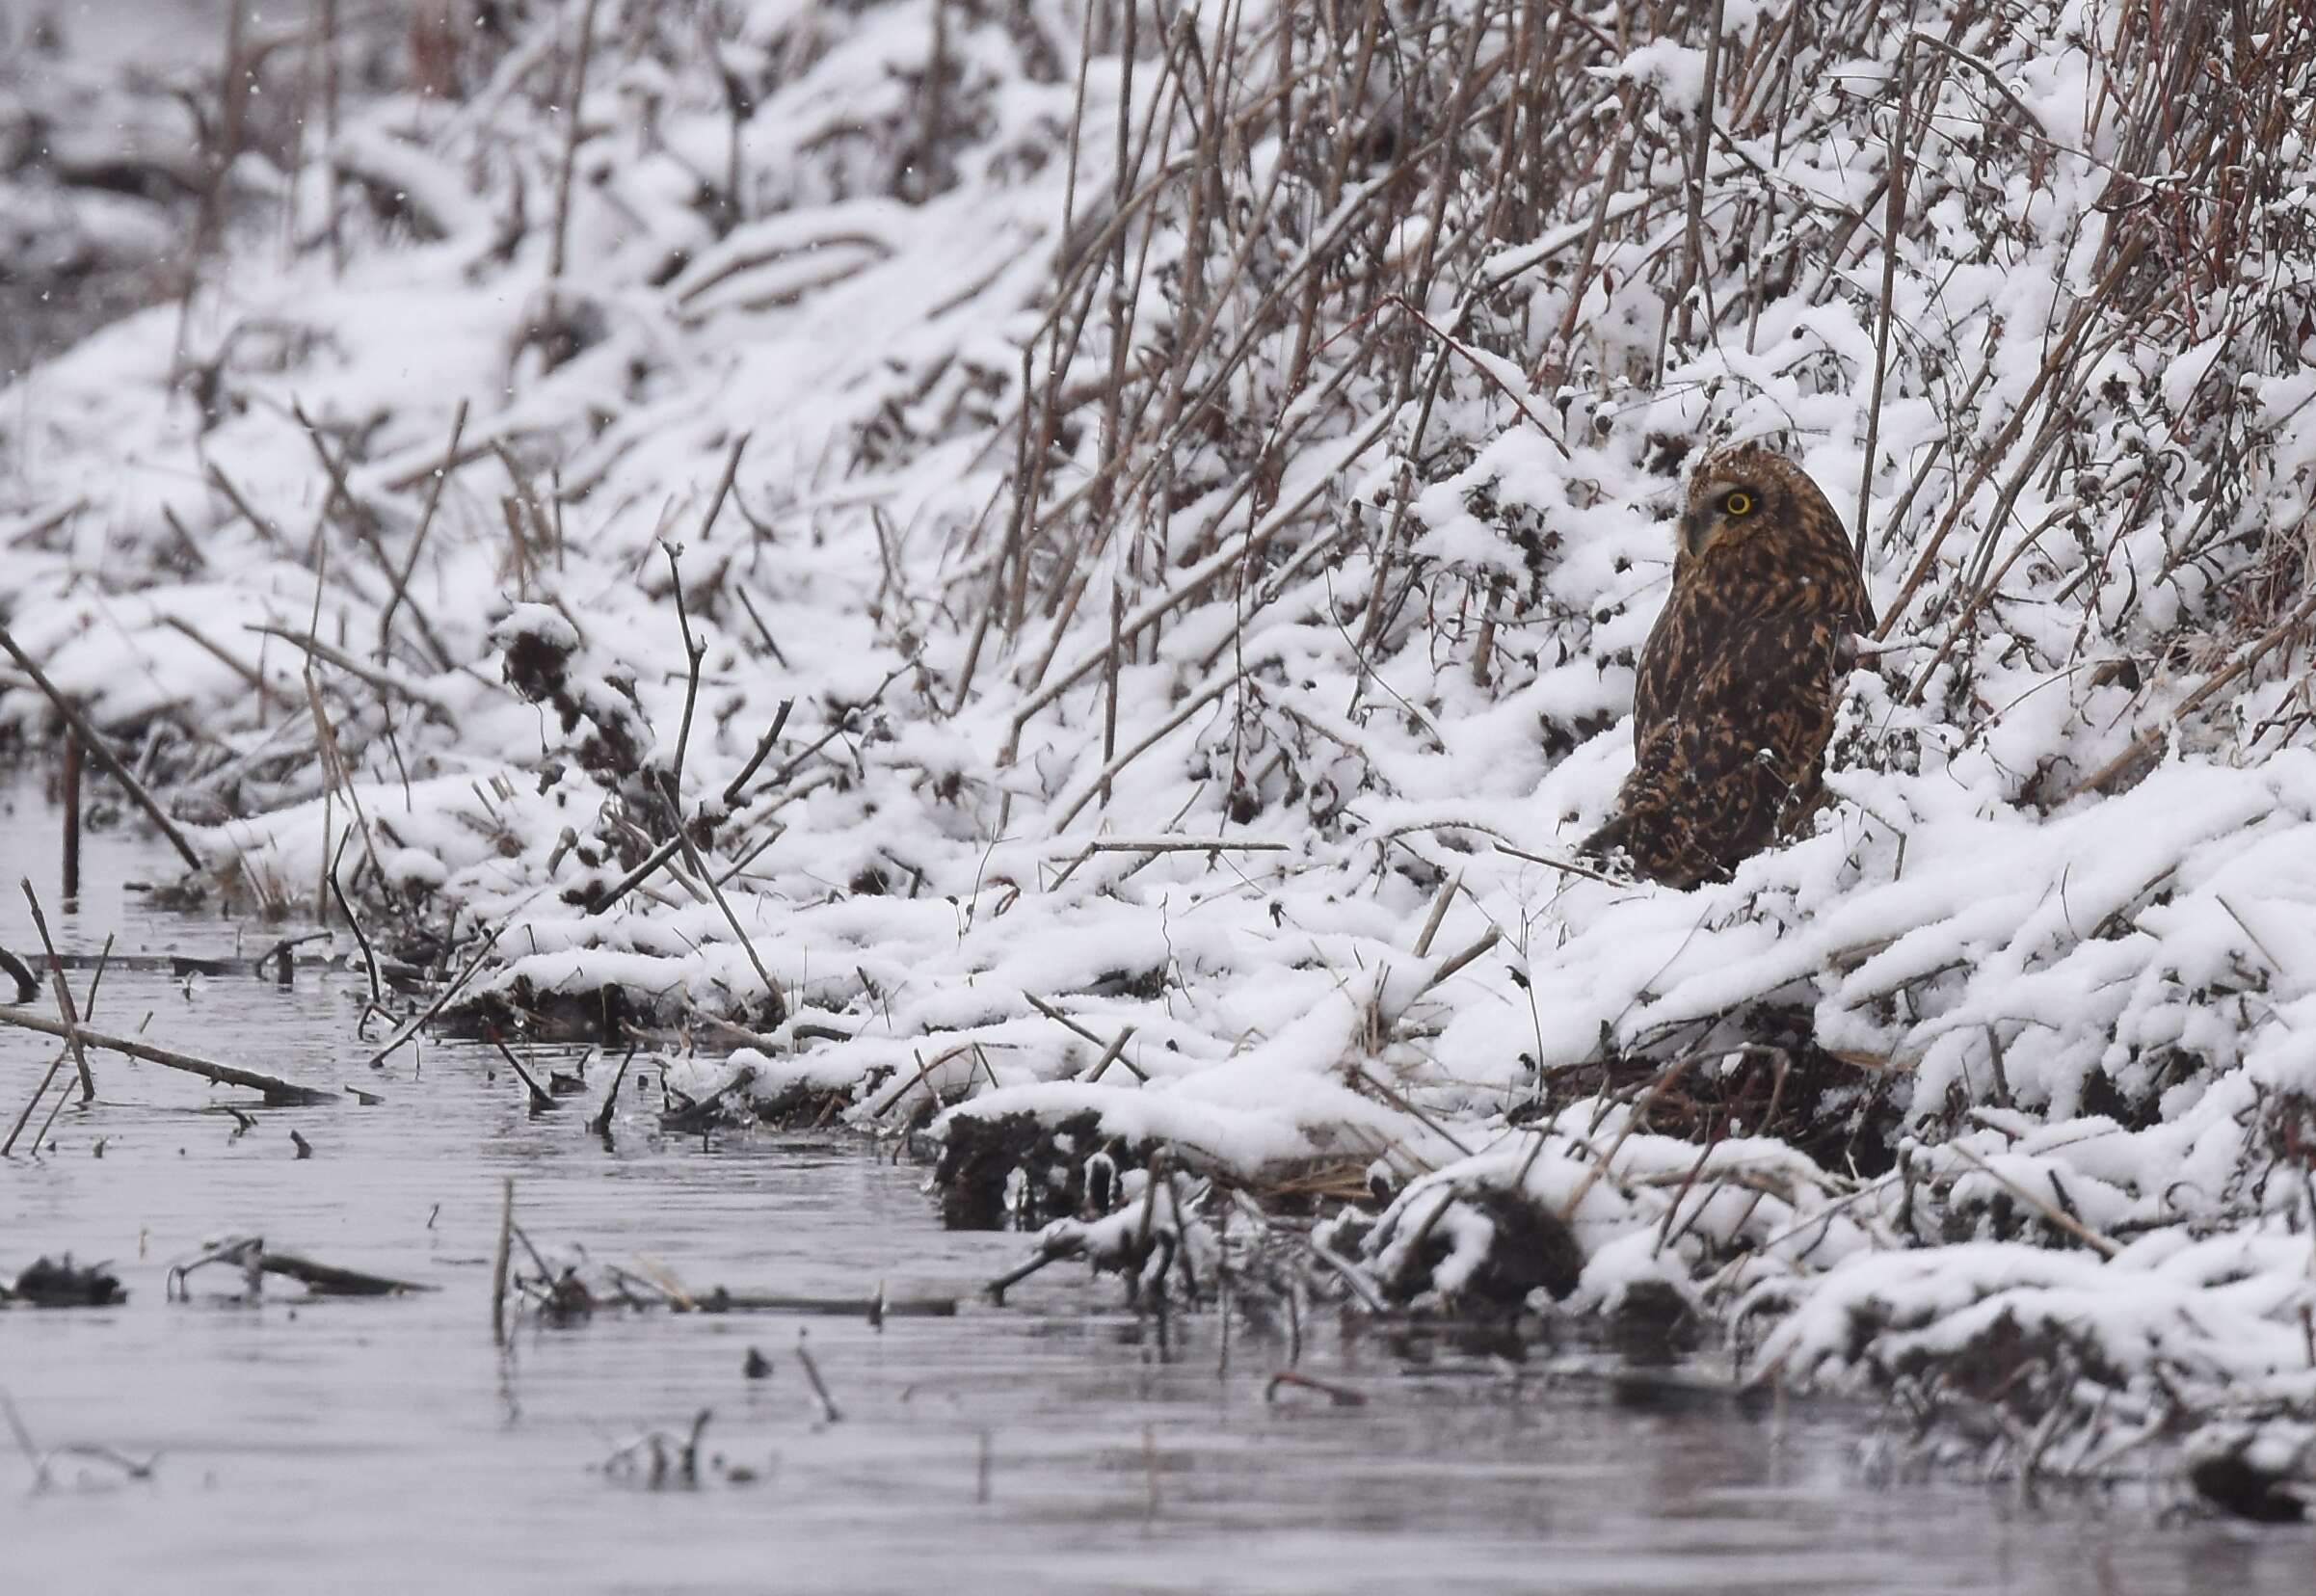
(1382, 626)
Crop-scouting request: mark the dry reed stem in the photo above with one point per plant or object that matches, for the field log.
(500, 1257)
(64, 996)
(426, 520)
(95, 744)
(1894, 188)
(559, 237)
(691, 855)
(441, 999)
(2103, 1246)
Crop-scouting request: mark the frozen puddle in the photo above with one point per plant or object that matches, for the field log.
(386, 1446)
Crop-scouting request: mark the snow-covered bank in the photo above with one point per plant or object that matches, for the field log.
(1185, 485)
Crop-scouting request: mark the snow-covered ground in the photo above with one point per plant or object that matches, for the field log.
(1186, 486)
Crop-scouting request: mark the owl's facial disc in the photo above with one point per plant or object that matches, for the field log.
(1721, 508)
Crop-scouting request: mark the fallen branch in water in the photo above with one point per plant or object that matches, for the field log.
(27, 989)
(699, 1114)
(638, 1290)
(1342, 1395)
(182, 965)
(671, 1461)
(41, 1477)
(541, 1100)
(248, 1254)
(277, 1092)
(723, 1301)
(39, 1092)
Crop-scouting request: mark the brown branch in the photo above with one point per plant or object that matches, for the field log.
(96, 745)
(2150, 740)
(571, 146)
(277, 1091)
(426, 520)
(63, 997)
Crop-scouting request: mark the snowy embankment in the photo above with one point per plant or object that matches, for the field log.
(1165, 504)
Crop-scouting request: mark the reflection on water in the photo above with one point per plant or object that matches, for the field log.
(385, 1446)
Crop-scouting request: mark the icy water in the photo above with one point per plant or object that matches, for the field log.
(386, 1446)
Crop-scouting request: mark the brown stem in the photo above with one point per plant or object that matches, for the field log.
(72, 761)
(95, 744)
(277, 1090)
(426, 520)
(571, 146)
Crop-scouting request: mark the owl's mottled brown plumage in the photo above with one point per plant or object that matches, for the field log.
(1741, 672)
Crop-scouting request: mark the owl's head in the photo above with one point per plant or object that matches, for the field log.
(1746, 492)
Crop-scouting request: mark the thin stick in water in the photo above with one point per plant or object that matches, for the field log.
(37, 1092)
(72, 758)
(87, 1012)
(811, 1371)
(601, 1124)
(64, 997)
(369, 959)
(498, 1264)
(541, 1099)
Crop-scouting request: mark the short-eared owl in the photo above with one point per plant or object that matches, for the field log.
(1742, 674)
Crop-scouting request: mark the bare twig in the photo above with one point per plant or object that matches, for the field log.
(499, 1261)
(691, 855)
(64, 997)
(95, 744)
(434, 501)
(277, 1091)
(572, 134)
(541, 1100)
(420, 1022)
(694, 650)
(779, 719)
(2103, 1246)
(811, 1372)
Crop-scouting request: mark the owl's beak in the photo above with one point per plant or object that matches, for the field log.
(1692, 534)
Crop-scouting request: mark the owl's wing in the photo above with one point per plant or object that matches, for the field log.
(1711, 781)
(1865, 621)
(1668, 658)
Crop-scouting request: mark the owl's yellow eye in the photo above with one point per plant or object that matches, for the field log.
(1738, 504)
